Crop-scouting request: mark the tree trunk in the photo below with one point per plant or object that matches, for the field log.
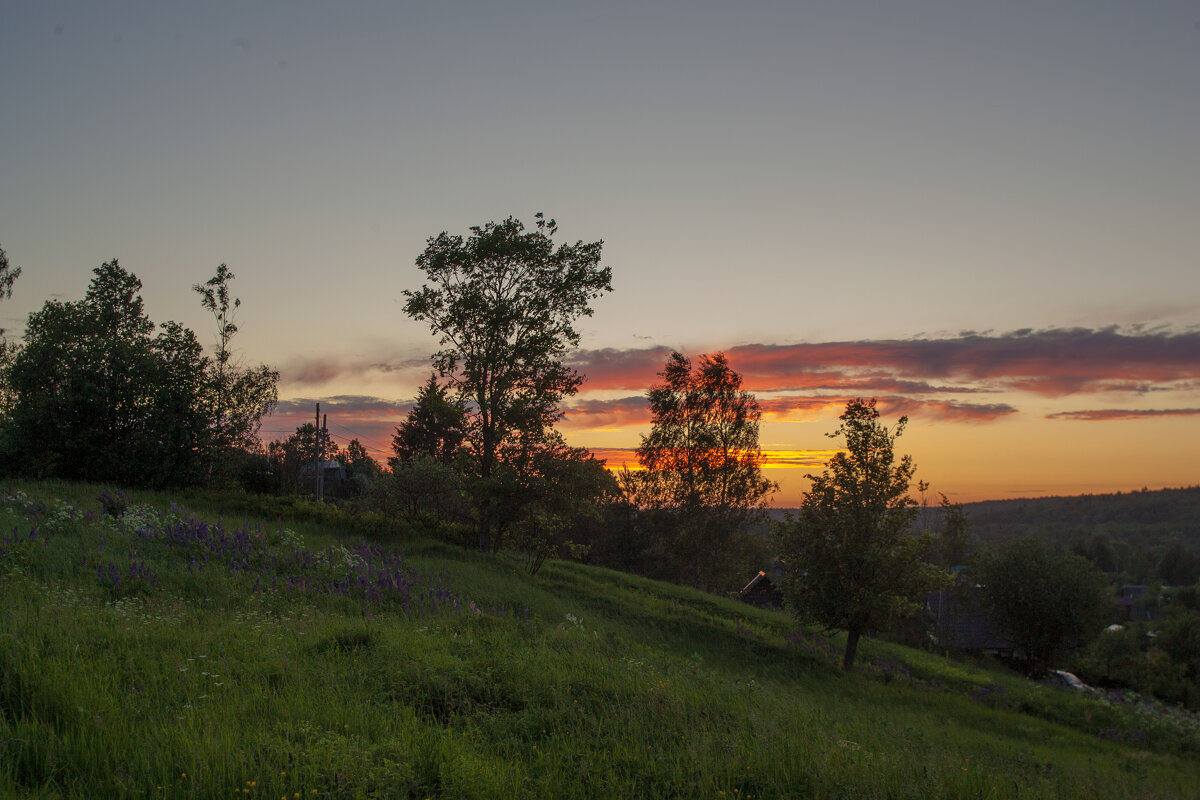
(485, 535)
(851, 650)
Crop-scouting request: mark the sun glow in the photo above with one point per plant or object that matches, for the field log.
(617, 458)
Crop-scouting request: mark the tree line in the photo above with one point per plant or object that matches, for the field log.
(97, 392)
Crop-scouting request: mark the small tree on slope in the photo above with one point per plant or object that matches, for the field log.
(853, 561)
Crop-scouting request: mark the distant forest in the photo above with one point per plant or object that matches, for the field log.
(1149, 517)
(1140, 537)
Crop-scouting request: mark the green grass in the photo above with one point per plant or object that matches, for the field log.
(579, 682)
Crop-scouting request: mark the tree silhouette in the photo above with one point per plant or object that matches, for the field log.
(503, 303)
(853, 562)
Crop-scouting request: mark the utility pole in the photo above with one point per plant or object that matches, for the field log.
(317, 456)
(321, 476)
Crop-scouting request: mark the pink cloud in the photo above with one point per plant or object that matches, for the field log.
(371, 420)
(590, 414)
(1108, 414)
(1051, 362)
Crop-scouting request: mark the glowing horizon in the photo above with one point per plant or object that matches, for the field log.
(891, 202)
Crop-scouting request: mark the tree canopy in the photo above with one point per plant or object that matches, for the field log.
(701, 487)
(8, 275)
(98, 397)
(1045, 600)
(235, 397)
(503, 302)
(433, 428)
(853, 561)
(98, 392)
(702, 450)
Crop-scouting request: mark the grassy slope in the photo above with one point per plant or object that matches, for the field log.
(578, 682)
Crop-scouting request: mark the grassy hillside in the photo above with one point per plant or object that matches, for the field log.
(151, 653)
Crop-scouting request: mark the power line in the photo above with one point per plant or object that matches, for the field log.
(365, 447)
(347, 430)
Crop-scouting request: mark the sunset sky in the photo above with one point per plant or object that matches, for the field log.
(986, 215)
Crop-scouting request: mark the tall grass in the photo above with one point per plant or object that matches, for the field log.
(258, 659)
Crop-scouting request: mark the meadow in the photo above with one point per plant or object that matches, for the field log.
(152, 650)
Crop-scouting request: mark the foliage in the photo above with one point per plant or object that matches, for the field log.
(1126, 534)
(98, 397)
(433, 428)
(953, 543)
(289, 456)
(8, 275)
(702, 480)
(1159, 659)
(503, 303)
(236, 397)
(853, 561)
(361, 469)
(428, 495)
(575, 683)
(1046, 601)
(8, 350)
(1179, 564)
(561, 493)
(702, 450)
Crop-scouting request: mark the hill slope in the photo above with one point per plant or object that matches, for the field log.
(153, 654)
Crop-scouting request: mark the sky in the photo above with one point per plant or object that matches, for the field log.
(986, 215)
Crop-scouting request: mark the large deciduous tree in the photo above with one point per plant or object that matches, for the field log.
(1046, 601)
(702, 450)
(503, 302)
(98, 397)
(702, 480)
(853, 561)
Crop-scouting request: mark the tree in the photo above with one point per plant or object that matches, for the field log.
(361, 469)
(703, 478)
(289, 456)
(8, 275)
(503, 303)
(236, 397)
(1179, 566)
(1046, 601)
(953, 541)
(98, 397)
(853, 561)
(702, 451)
(546, 495)
(433, 428)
